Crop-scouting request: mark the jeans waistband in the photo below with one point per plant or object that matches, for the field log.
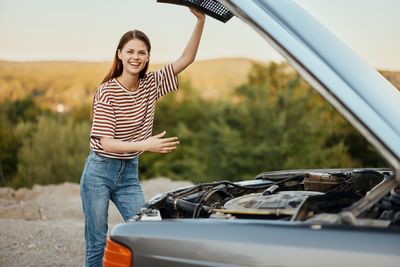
(98, 155)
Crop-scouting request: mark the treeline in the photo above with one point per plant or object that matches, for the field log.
(273, 121)
(50, 83)
(72, 83)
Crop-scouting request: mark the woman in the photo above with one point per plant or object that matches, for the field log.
(123, 114)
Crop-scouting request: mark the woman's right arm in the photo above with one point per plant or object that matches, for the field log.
(153, 144)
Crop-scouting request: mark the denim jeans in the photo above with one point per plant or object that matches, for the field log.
(104, 179)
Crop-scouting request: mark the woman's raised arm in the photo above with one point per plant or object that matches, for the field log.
(190, 51)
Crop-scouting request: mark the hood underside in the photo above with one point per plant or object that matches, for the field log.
(362, 95)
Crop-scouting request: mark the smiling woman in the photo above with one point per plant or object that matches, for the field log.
(123, 116)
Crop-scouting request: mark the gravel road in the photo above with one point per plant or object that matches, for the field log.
(43, 226)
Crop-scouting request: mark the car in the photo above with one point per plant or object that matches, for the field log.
(310, 217)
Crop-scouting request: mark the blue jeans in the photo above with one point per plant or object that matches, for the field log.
(104, 179)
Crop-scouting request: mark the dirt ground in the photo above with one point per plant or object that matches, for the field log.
(43, 226)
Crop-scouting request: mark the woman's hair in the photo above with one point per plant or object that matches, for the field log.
(116, 68)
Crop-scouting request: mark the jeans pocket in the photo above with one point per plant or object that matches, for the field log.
(98, 158)
(133, 168)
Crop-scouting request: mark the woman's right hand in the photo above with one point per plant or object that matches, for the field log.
(160, 145)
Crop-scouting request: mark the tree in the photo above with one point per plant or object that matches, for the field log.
(12, 114)
(54, 153)
(275, 121)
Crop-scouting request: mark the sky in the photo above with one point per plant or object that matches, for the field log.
(89, 30)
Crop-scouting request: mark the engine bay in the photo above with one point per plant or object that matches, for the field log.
(333, 196)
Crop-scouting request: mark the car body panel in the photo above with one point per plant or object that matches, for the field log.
(214, 242)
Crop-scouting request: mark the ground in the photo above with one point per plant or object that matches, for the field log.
(43, 226)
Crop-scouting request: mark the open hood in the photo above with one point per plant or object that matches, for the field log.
(355, 89)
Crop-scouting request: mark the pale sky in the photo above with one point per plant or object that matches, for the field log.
(90, 30)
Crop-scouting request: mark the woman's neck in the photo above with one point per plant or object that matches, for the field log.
(130, 82)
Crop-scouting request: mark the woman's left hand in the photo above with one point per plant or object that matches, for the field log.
(190, 51)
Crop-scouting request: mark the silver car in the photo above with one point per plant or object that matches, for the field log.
(325, 217)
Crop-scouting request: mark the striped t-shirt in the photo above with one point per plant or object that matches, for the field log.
(125, 115)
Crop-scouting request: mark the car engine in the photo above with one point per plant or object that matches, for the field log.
(333, 196)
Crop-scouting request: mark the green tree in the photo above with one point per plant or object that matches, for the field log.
(179, 114)
(275, 121)
(54, 153)
(9, 145)
(13, 113)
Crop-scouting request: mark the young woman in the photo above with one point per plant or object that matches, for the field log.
(123, 115)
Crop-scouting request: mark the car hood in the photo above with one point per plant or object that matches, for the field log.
(355, 89)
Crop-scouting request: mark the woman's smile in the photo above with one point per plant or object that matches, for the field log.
(134, 56)
(136, 65)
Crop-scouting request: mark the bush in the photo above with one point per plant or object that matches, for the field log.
(275, 121)
(55, 152)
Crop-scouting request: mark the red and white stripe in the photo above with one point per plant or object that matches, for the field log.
(126, 115)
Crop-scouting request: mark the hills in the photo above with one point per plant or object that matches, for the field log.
(218, 77)
(392, 76)
(73, 83)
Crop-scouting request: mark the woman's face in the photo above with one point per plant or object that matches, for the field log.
(134, 56)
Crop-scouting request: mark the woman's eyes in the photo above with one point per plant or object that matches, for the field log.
(142, 53)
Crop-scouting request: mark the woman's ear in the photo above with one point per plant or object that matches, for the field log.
(119, 54)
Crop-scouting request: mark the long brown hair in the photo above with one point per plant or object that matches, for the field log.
(116, 68)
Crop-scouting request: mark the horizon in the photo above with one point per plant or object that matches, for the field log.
(74, 31)
(160, 63)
